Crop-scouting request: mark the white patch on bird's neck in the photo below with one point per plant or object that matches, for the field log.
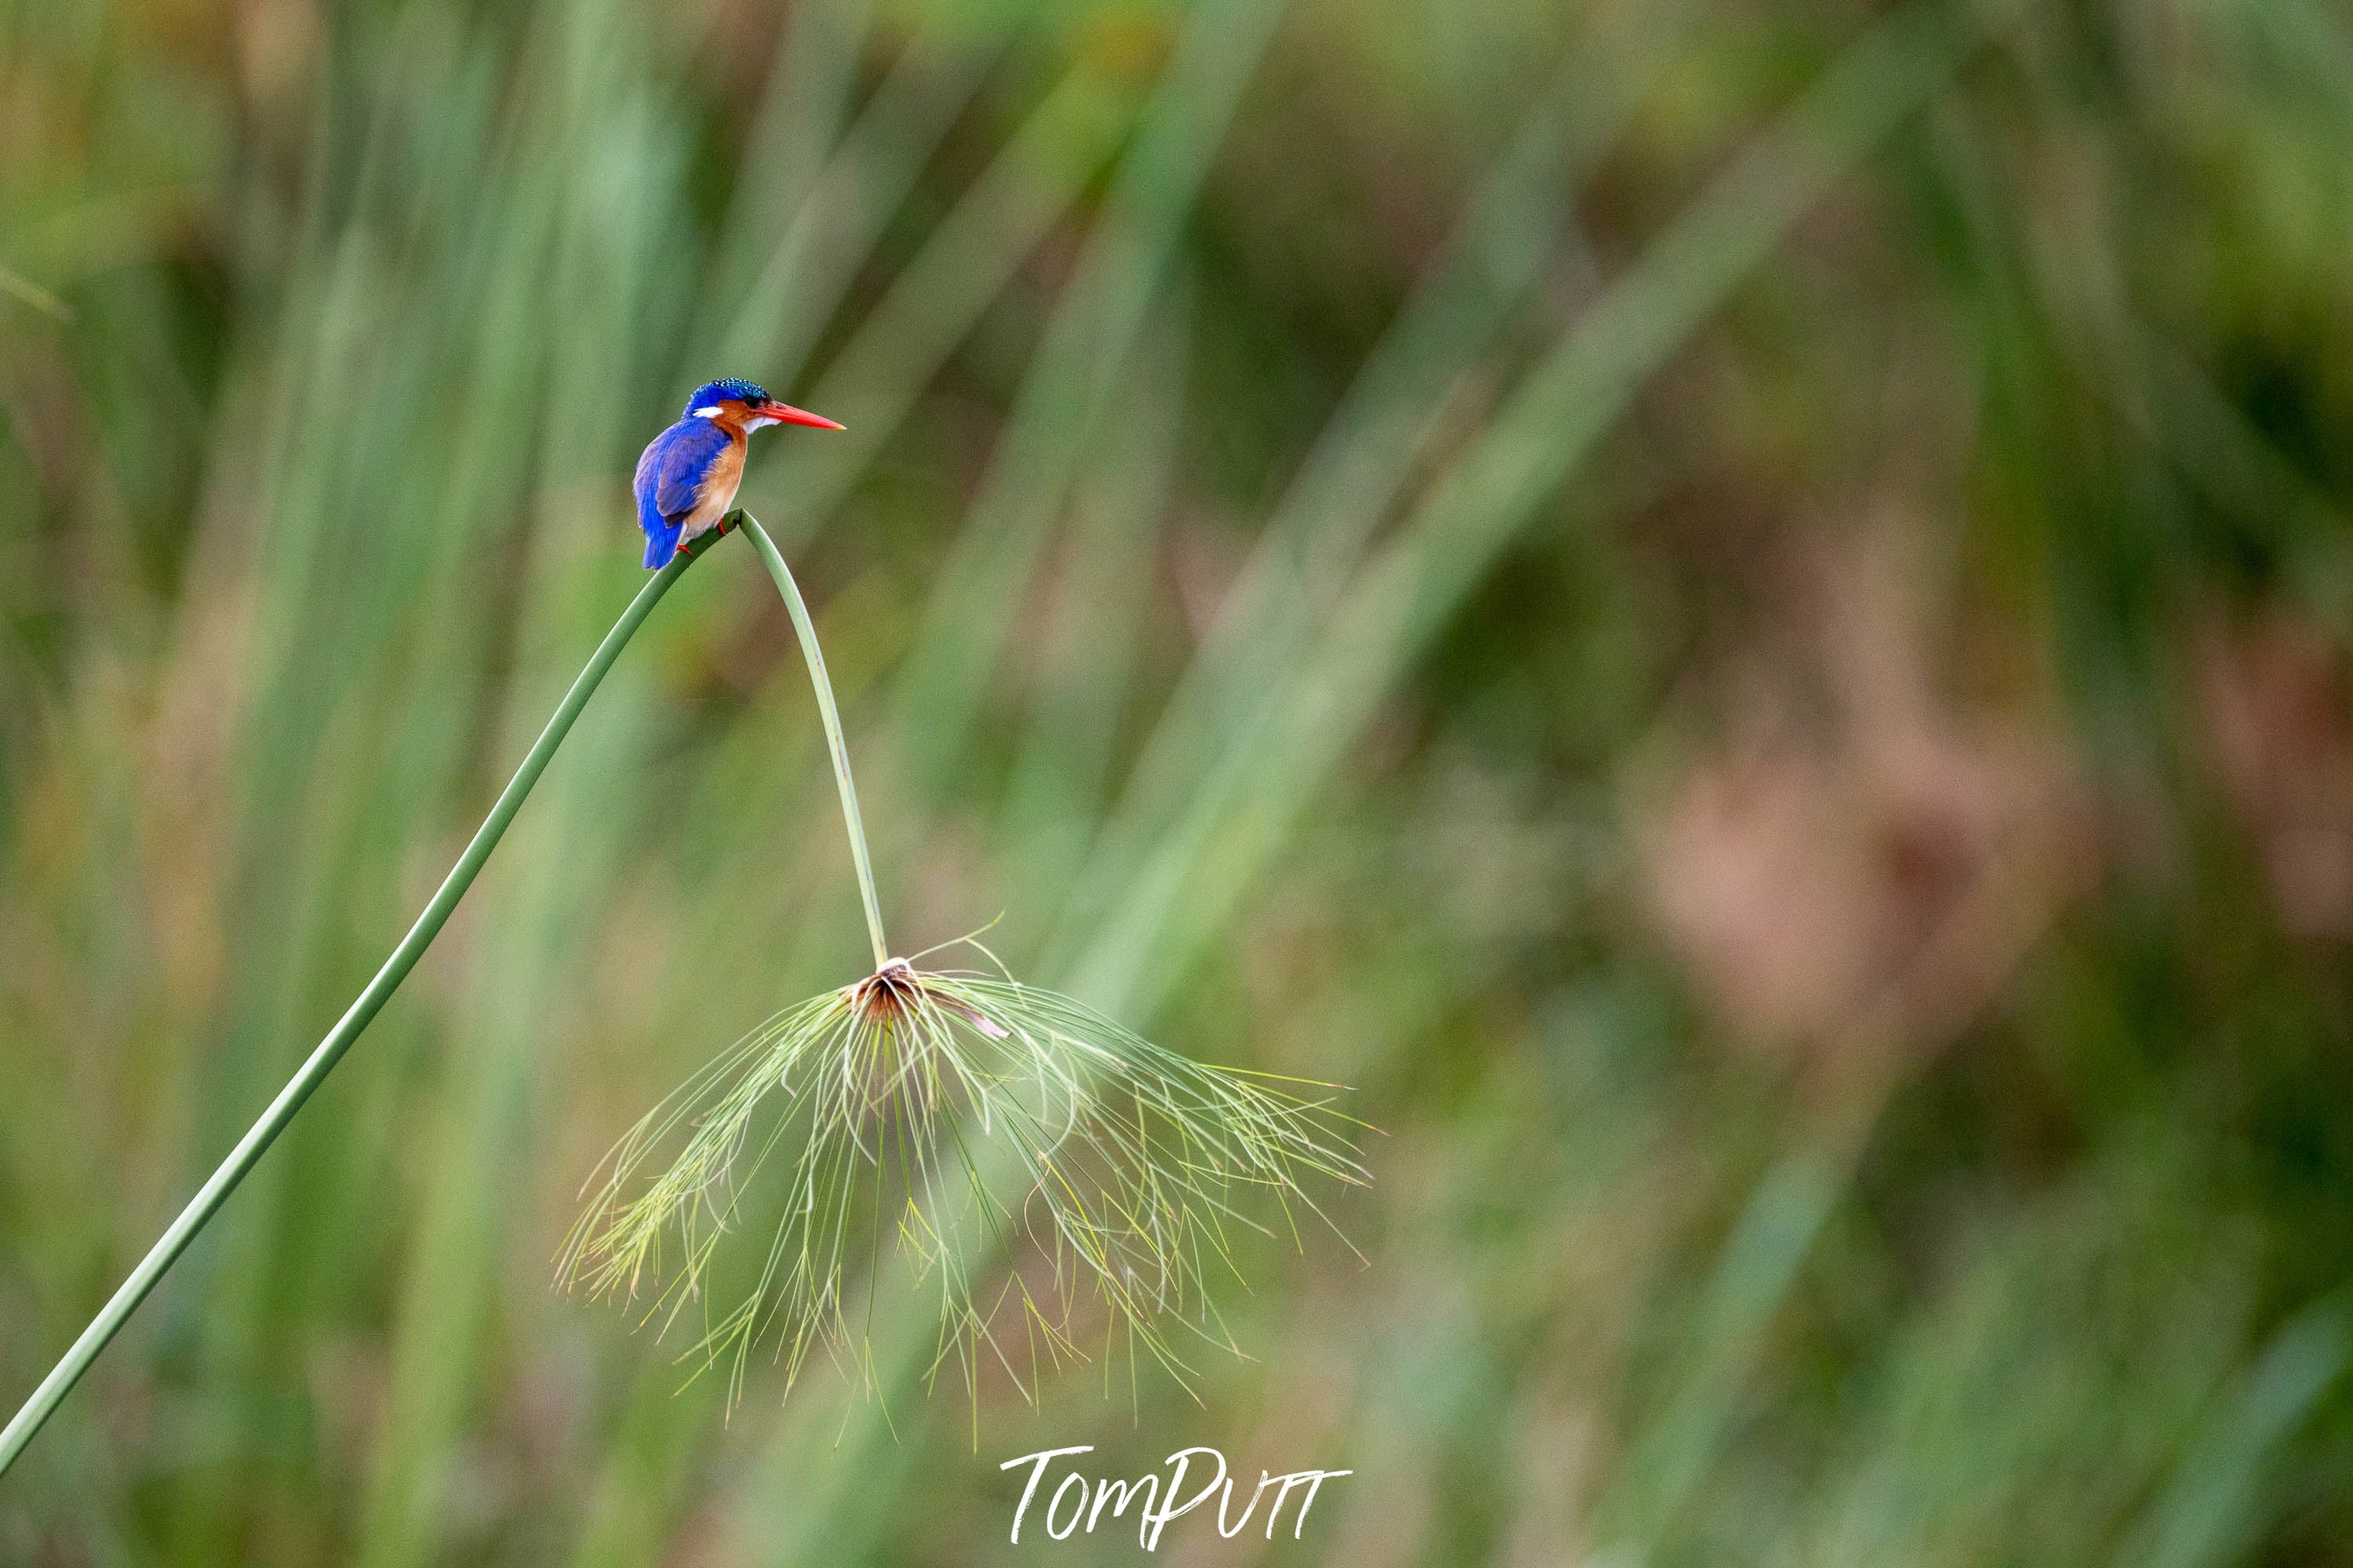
(710, 412)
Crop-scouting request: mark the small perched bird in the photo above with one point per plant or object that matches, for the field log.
(688, 474)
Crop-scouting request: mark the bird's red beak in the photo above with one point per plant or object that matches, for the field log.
(786, 413)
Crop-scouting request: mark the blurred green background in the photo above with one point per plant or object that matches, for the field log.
(1738, 611)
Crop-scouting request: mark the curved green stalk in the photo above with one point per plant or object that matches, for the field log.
(291, 1100)
(807, 629)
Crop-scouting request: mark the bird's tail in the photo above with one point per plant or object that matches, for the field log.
(662, 539)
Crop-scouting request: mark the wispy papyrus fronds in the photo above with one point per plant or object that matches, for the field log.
(1022, 1154)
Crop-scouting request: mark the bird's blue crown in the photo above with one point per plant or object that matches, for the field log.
(730, 390)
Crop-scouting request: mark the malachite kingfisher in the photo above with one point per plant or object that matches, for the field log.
(688, 474)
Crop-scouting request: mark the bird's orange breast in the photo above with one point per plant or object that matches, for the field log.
(717, 493)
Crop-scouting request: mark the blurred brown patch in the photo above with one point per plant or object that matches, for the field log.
(2274, 697)
(1859, 865)
(278, 44)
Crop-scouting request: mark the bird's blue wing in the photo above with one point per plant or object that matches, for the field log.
(689, 447)
(670, 473)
